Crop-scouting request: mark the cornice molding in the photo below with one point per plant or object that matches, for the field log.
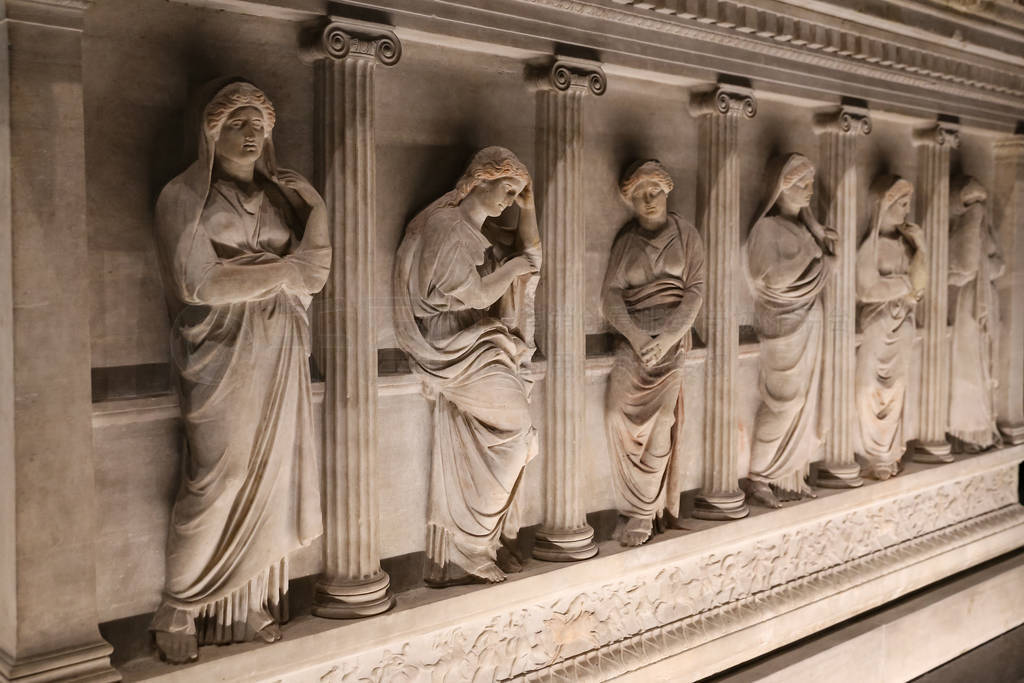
(61, 14)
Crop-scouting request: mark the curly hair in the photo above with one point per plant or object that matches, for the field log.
(639, 171)
(235, 96)
(490, 163)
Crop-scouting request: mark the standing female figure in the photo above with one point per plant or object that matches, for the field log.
(243, 247)
(790, 258)
(892, 273)
(653, 289)
(458, 300)
(974, 265)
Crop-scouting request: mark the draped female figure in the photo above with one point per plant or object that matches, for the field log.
(892, 273)
(790, 258)
(462, 308)
(653, 289)
(974, 265)
(243, 246)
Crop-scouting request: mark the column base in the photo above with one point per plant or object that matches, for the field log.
(837, 475)
(1013, 434)
(565, 545)
(932, 452)
(344, 599)
(90, 664)
(720, 505)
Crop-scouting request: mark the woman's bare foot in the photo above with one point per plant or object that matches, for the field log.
(637, 532)
(177, 648)
(806, 491)
(271, 633)
(761, 493)
(490, 573)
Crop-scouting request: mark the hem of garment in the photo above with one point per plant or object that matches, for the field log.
(235, 618)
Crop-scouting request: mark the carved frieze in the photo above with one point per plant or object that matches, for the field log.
(613, 627)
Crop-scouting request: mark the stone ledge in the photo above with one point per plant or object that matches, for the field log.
(717, 593)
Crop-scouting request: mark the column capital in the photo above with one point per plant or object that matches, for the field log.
(66, 14)
(338, 39)
(846, 119)
(565, 74)
(1011, 145)
(724, 99)
(940, 134)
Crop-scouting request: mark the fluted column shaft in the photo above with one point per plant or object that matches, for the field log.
(353, 583)
(1008, 213)
(837, 191)
(933, 145)
(718, 209)
(564, 534)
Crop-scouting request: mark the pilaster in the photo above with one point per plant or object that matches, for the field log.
(564, 534)
(346, 55)
(718, 211)
(1008, 214)
(48, 615)
(933, 145)
(837, 194)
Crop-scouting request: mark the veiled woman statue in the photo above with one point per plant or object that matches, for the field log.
(653, 289)
(461, 305)
(892, 272)
(243, 247)
(974, 264)
(790, 258)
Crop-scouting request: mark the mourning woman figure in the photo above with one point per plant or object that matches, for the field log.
(653, 289)
(974, 265)
(790, 259)
(892, 272)
(457, 297)
(243, 246)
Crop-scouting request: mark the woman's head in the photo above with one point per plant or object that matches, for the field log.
(645, 187)
(893, 195)
(494, 178)
(796, 182)
(237, 122)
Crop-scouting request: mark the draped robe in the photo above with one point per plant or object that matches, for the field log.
(883, 357)
(471, 364)
(974, 262)
(656, 274)
(240, 345)
(788, 316)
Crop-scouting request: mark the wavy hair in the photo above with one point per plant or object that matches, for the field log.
(490, 163)
(639, 171)
(235, 96)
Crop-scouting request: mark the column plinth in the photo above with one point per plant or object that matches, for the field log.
(933, 145)
(718, 211)
(837, 194)
(564, 535)
(346, 56)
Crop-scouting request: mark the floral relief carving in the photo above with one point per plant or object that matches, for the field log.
(673, 608)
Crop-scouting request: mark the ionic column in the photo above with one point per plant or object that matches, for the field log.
(346, 54)
(48, 519)
(933, 145)
(837, 194)
(564, 534)
(718, 211)
(1008, 215)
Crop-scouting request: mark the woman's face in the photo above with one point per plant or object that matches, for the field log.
(650, 201)
(800, 192)
(497, 195)
(897, 212)
(242, 136)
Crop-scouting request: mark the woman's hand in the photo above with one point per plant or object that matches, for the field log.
(914, 234)
(524, 200)
(520, 265)
(830, 241)
(652, 352)
(301, 186)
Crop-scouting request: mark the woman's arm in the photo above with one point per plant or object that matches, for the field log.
(873, 287)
